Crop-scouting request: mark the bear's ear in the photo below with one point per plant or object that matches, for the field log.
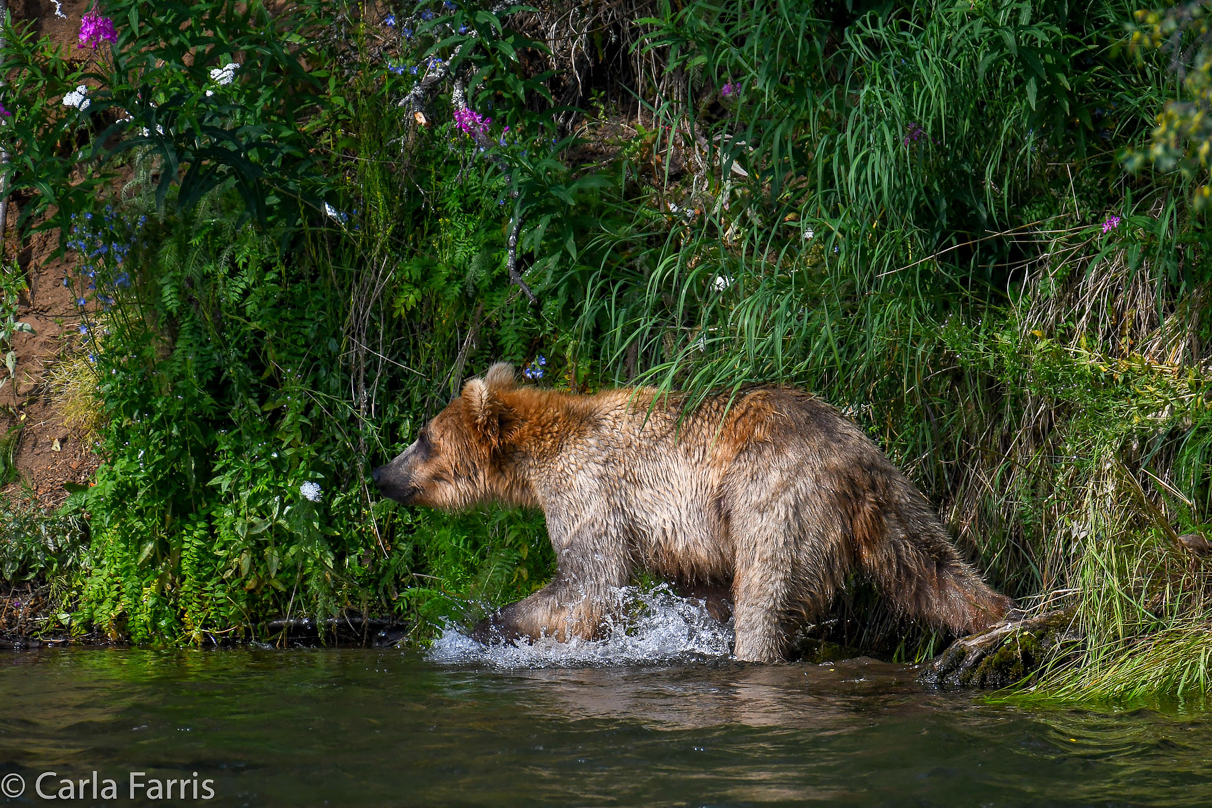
(482, 410)
(500, 376)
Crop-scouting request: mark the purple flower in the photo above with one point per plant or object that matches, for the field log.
(1111, 223)
(916, 133)
(730, 89)
(94, 29)
(471, 122)
(4, 112)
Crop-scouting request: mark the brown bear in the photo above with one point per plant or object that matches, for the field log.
(770, 494)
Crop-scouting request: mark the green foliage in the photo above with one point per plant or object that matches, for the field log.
(34, 544)
(1183, 136)
(12, 284)
(40, 133)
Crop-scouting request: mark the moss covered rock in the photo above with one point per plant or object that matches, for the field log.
(1004, 654)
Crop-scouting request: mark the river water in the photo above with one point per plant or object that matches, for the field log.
(461, 725)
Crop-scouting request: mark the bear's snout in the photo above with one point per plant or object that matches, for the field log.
(394, 483)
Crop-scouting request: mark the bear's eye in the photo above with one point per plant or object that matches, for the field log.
(424, 445)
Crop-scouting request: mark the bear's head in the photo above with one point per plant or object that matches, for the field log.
(457, 460)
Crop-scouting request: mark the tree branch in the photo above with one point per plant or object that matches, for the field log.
(515, 277)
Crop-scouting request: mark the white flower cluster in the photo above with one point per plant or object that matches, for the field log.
(224, 75)
(335, 215)
(77, 98)
(722, 282)
(310, 491)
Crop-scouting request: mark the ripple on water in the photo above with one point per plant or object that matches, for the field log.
(662, 627)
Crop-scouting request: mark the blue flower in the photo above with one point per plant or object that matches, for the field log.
(390, 20)
(427, 14)
(81, 302)
(535, 369)
(83, 328)
(407, 33)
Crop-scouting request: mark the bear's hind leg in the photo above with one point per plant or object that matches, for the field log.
(789, 560)
(758, 605)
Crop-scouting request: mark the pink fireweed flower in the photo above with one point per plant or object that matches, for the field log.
(471, 122)
(94, 29)
(1111, 223)
(4, 112)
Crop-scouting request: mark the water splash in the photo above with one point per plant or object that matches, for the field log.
(663, 627)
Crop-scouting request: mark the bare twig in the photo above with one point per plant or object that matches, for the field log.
(456, 370)
(515, 277)
(1010, 232)
(387, 359)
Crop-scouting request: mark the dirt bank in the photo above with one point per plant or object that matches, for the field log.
(46, 453)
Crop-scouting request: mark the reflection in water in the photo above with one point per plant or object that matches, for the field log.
(362, 727)
(682, 697)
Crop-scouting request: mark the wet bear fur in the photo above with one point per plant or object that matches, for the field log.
(776, 499)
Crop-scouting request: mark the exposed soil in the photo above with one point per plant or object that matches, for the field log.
(47, 454)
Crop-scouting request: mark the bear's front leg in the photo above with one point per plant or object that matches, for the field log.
(592, 566)
(557, 611)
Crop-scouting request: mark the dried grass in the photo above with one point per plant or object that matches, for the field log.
(75, 394)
